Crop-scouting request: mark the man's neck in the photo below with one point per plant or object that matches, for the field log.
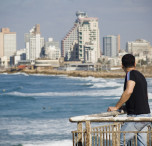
(130, 69)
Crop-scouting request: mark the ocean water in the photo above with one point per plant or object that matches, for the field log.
(35, 109)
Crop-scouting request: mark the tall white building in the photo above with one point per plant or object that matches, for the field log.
(7, 44)
(52, 49)
(84, 32)
(111, 45)
(34, 44)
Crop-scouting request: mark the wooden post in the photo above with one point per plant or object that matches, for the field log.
(79, 127)
(88, 134)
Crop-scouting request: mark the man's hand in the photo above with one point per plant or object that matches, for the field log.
(111, 108)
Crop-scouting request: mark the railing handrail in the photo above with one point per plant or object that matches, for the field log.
(105, 117)
(114, 119)
(86, 117)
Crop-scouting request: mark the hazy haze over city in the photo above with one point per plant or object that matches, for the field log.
(130, 18)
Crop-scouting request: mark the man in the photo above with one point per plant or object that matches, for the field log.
(135, 97)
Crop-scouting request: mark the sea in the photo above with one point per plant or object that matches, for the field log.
(35, 109)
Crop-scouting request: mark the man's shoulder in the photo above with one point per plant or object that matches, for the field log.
(137, 74)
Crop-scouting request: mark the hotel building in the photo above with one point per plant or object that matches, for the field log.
(82, 40)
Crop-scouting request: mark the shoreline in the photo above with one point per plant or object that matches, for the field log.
(96, 74)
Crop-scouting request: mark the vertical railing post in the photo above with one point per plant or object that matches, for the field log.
(88, 134)
(79, 127)
(117, 134)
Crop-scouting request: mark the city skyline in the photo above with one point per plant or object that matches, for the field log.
(131, 18)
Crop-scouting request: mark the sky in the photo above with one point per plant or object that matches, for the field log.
(132, 19)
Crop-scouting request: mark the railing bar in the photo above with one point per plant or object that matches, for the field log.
(97, 137)
(75, 143)
(136, 139)
(73, 139)
(151, 135)
(119, 127)
(94, 138)
(124, 138)
(148, 137)
(112, 134)
(77, 139)
(109, 135)
(100, 138)
(103, 137)
(106, 137)
(84, 139)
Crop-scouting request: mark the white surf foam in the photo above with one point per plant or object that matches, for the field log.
(51, 143)
(48, 75)
(23, 126)
(106, 84)
(4, 73)
(112, 92)
(90, 79)
(110, 98)
(20, 73)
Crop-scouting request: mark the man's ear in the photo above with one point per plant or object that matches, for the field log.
(135, 64)
(122, 66)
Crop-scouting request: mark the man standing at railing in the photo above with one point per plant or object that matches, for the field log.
(135, 97)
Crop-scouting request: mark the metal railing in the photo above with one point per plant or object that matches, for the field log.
(109, 134)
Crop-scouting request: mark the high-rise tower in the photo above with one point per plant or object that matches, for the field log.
(34, 44)
(7, 43)
(82, 42)
(111, 45)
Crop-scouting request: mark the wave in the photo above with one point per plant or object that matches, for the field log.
(110, 98)
(20, 73)
(90, 79)
(24, 126)
(52, 143)
(4, 73)
(112, 92)
(48, 75)
(106, 84)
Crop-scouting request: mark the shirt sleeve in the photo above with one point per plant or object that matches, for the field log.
(131, 76)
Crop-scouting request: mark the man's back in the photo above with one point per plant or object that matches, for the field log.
(138, 101)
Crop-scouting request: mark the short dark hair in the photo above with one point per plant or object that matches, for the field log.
(128, 60)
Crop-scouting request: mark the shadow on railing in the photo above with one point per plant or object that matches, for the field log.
(109, 134)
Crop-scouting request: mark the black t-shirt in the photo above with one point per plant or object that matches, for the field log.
(138, 101)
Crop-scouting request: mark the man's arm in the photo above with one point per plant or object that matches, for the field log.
(125, 96)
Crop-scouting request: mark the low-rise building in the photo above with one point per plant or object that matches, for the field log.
(4, 62)
(138, 47)
(17, 57)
